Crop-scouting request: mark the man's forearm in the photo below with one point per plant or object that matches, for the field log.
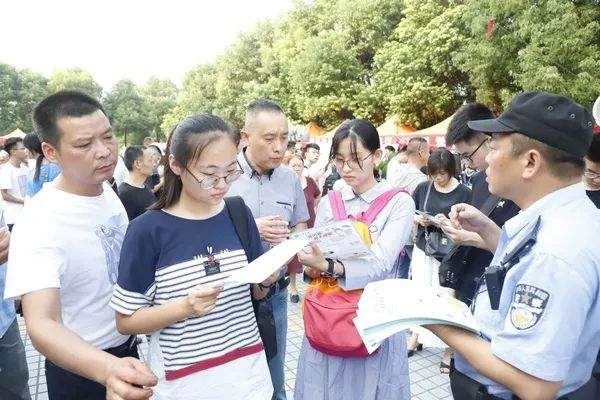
(11, 199)
(67, 350)
(478, 353)
(490, 235)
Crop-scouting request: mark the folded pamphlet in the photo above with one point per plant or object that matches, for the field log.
(390, 306)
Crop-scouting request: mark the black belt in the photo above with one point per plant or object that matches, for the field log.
(122, 348)
(466, 388)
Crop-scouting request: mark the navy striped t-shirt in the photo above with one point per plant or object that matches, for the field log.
(162, 258)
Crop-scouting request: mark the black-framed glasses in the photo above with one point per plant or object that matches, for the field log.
(469, 157)
(352, 164)
(210, 181)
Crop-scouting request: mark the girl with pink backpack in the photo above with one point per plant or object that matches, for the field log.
(333, 363)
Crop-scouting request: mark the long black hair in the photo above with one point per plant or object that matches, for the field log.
(186, 142)
(32, 142)
(356, 129)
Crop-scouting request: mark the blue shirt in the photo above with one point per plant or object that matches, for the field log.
(47, 174)
(548, 321)
(7, 307)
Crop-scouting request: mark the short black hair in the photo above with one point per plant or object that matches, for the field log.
(390, 148)
(11, 143)
(441, 160)
(66, 103)
(593, 153)
(312, 146)
(291, 144)
(263, 104)
(458, 130)
(132, 154)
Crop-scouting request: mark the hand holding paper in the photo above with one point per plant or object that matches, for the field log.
(264, 266)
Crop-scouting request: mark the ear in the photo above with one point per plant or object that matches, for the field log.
(175, 167)
(377, 156)
(531, 161)
(245, 136)
(50, 152)
(137, 164)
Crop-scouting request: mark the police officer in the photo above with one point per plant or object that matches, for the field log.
(538, 306)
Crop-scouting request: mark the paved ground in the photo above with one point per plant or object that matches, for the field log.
(426, 381)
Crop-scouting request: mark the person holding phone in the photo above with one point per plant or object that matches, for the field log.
(435, 196)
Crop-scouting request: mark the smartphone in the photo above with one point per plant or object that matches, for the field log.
(428, 217)
(431, 218)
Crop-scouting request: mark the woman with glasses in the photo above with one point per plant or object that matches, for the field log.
(204, 340)
(435, 196)
(384, 374)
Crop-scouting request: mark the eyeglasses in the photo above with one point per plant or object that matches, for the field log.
(591, 175)
(469, 157)
(352, 164)
(211, 181)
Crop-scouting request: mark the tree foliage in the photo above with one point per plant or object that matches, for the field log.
(327, 60)
(75, 79)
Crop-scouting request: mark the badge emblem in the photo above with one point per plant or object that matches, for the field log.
(528, 306)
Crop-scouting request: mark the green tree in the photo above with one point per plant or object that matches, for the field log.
(160, 96)
(9, 98)
(197, 95)
(32, 87)
(128, 112)
(551, 45)
(75, 79)
(415, 73)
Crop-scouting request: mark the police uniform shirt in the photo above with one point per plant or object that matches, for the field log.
(548, 321)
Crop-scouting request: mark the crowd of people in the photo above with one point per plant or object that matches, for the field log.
(103, 247)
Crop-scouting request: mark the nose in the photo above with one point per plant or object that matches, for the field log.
(102, 150)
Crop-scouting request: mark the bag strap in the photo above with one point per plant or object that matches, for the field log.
(237, 212)
(338, 210)
(427, 197)
(369, 215)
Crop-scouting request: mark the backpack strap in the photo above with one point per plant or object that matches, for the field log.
(369, 215)
(338, 210)
(239, 216)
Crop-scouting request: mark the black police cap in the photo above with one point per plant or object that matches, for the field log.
(555, 120)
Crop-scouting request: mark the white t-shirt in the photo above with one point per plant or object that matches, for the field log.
(73, 243)
(14, 180)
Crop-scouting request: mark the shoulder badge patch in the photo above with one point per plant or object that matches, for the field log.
(528, 306)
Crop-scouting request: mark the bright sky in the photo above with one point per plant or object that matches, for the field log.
(134, 39)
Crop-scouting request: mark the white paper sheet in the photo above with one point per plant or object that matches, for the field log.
(261, 268)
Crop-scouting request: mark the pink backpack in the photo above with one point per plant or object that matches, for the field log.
(328, 309)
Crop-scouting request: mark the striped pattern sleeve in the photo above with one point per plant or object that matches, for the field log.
(126, 302)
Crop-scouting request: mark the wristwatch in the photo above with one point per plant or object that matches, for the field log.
(330, 273)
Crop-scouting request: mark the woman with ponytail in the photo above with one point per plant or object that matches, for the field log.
(44, 171)
(204, 340)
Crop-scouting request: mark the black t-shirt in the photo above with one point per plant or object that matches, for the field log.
(594, 196)
(475, 260)
(135, 200)
(437, 203)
